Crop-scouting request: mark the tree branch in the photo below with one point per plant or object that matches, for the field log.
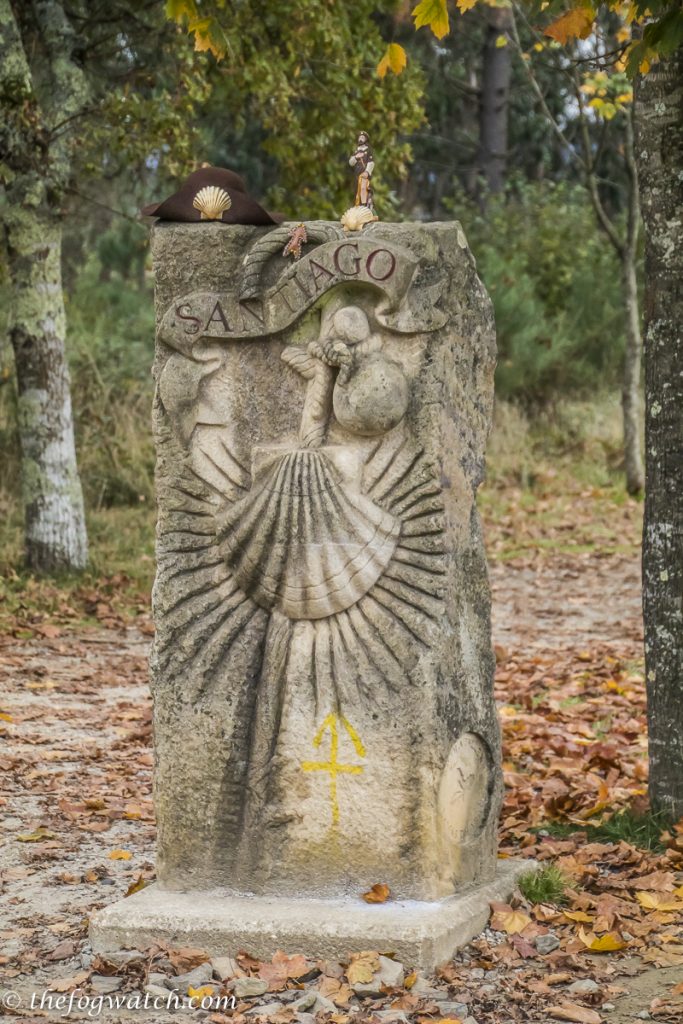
(591, 179)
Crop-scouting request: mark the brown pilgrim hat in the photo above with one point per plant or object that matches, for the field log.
(211, 193)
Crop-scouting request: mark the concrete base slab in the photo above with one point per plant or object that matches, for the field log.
(419, 934)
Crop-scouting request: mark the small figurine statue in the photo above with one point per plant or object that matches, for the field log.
(363, 164)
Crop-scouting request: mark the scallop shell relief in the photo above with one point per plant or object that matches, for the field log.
(212, 202)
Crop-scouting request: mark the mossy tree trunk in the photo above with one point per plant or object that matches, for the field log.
(659, 152)
(53, 503)
(41, 88)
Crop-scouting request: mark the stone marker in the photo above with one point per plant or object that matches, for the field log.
(322, 670)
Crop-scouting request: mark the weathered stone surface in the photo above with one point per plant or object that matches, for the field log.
(247, 988)
(318, 587)
(421, 934)
(322, 669)
(546, 943)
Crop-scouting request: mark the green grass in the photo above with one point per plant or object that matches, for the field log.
(120, 572)
(641, 830)
(547, 885)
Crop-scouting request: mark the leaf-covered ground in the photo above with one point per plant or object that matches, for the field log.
(598, 937)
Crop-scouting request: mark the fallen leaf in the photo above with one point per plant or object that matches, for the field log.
(608, 943)
(576, 1013)
(120, 855)
(200, 993)
(362, 968)
(187, 958)
(507, 920)
(578, 915)
(66, 984)
(35, 837)
(657, 901)
(135, 886)
(282, 967)
(379, 893)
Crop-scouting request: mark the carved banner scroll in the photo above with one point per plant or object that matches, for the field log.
(389, 269)
(322, 667)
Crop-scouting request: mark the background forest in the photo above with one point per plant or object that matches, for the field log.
(489, 125)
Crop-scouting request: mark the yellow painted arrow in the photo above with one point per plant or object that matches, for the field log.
(333, 767)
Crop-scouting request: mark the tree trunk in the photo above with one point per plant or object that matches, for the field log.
(55, 536)
(495, 91)
(630, 394)
(37, 157)
(659, 151)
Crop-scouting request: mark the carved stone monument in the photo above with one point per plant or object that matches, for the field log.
(322, 670)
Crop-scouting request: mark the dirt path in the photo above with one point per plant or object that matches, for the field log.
(77, 819)
(565, 600)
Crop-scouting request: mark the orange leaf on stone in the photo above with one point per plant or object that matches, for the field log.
(378, 893)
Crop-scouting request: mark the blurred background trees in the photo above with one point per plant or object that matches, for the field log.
(469, 130)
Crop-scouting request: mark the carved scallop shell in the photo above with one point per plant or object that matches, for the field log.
(211, 202)
(304, 541)
(356, 217)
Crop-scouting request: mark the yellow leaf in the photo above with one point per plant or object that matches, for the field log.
(205, 37)
(510, 921)
(4, 717)
(362, 968)
(434, 14)
(35, 837)
(136, 886)
(410, 980)
(539, 47)
(608, 943)
(578, 915)
(658, 901)
(574, 24)
(501, 41)
(465, 5)
(395, 59)
(178, 10)
(120, 855)
(200, 993)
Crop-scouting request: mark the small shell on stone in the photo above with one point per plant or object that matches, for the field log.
(356, 217)
(211, 201)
